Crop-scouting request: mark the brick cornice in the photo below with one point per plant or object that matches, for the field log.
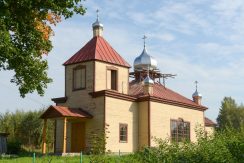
(171, 102)
(115, 94)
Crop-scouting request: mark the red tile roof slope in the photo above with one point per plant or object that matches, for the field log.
(62, 111)
(97, 49)
(209, 122)
(159, 91)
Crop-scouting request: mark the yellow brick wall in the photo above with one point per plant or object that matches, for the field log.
(143, 124)
(120, 111)
(82, 99)
(101, 81)
(161, 115)
(97, 122)
(69, 76)
(79, 98)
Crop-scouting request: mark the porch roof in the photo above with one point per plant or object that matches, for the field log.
(63, 111)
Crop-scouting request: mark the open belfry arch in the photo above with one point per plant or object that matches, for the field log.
(136, 106)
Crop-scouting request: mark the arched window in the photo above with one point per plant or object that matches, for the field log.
(79, 78)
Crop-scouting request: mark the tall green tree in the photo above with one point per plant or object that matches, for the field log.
(26, 127)
(230, 114)
(25, 30)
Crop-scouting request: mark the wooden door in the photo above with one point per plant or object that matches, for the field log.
(77, 137)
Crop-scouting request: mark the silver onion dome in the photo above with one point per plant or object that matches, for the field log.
(148, 80)
(144, 61)
(196, 94)
(97, 22)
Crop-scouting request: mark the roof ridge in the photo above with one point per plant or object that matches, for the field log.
(112, 49)
(74, 57)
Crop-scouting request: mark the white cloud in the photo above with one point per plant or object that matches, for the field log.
(226, 8)
(229, 51)
(164, 36)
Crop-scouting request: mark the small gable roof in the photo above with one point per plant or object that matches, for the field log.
(97, 49)
(62, 111)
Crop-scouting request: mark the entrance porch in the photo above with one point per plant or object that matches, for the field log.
(70, 127)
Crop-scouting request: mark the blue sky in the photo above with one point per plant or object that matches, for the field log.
(197, 40)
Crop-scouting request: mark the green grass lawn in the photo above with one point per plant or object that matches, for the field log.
(68, 159)
(44, 159)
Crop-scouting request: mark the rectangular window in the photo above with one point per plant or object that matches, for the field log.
(79, 78)
(123, 133)
(180, 130)
(112, 79)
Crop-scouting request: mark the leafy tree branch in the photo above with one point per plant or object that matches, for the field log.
(25, 31)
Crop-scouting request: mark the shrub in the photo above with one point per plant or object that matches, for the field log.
(98, 143)
(13, 147)
(224, 146)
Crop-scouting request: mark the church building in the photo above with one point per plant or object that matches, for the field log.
(134, 107)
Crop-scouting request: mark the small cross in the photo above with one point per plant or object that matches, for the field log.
(97, 14)
(196, 82)
(144, 38)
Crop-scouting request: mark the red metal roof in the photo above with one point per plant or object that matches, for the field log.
(97, 49)
(62, 111)
(209, 122)
(160, 91)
